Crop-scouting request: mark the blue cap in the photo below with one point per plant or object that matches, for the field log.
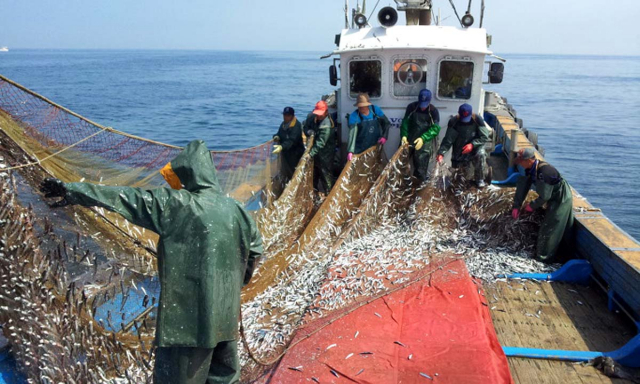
(465, 112)
(288, 111)
(424, 98)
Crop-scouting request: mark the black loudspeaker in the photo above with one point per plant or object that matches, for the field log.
(361, 20)
(388, 17)
(467, 20)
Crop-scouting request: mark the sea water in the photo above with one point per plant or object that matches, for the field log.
(583, 108)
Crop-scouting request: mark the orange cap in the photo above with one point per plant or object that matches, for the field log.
(321, 108)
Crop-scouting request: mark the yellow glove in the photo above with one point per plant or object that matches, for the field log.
(405, 141)
(277, 149)
(418, 143)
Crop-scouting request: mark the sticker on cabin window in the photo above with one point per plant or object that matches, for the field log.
(409, 76)
(456, 79)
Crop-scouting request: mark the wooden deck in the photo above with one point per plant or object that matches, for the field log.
(555, 316)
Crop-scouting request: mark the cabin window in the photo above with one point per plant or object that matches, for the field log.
(409, 76)
(456, 78)
(365, 76)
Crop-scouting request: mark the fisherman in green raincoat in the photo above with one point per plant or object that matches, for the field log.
(420, 127)
(289, 142)
(207, 250)
(467, 134)
(320, 125)
(553, 190)
(368, 126)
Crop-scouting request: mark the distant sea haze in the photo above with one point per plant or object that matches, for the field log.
(584, 108)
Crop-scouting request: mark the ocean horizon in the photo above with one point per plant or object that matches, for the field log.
(581, 106)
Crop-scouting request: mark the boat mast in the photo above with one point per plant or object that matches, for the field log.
(346, 14)
(418, 11)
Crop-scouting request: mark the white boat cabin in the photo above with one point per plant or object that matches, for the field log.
(392, 64)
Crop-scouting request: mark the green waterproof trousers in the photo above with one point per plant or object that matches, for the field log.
(288, 166)
(557, 226)
(323, 175)
(184, 365)
(421, 160)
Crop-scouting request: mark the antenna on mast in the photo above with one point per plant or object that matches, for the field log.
(346, 14)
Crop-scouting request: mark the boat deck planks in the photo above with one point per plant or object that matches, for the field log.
(571, 318)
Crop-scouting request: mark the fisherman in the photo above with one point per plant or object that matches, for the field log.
(553, 190)
(207, 250)
(320, 125)
(468, 134)
(420, 126)
(367, 126)
(289, 139)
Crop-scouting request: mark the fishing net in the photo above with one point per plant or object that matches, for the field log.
(345, 197)
(99, 154)
(49, 318)
(374, 233)
(282, 221)
(107, 263)
(73, 148)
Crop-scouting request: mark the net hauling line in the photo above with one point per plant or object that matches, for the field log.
(101, 128)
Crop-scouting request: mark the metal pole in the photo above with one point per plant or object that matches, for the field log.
(346, 14)
(513, 146)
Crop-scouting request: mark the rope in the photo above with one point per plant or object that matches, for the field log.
(27, 90)
(39, 161)
(110, 129)
(456, 12)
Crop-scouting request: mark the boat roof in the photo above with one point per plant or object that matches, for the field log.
(431, 37)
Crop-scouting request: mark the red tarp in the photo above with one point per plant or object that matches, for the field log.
(440, 321)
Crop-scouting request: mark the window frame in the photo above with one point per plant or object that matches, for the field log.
(393, 74)
(465, 59)
(370, 58)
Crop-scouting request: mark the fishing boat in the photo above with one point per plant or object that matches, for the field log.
(455, 63)
(4, 49)
(356, 286)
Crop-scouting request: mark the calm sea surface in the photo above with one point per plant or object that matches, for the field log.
(584, 109)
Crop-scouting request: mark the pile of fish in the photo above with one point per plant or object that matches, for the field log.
(48, 319)
(394, 234)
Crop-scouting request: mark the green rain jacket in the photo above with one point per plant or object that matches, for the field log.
(290, 135)
(460, 134)
(553, 190)
(550, 186)
(207, 249)
(324, 143)
(417, 124)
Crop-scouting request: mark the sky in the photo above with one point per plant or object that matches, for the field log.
(517, 26)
